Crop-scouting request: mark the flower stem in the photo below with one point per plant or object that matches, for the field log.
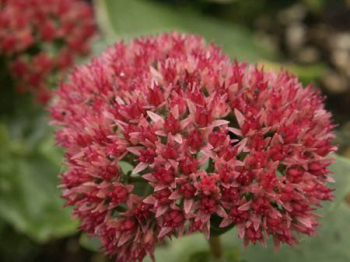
(347, 199)
(216, 247)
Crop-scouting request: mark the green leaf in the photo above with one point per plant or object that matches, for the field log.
(341, 170)
(125, 166)
(124, 19)
(332, 244)
(29, 198)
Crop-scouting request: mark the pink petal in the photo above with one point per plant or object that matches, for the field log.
(306, 221)
(149, 177)
(161, 210)
(241, 230)
(330, 179)
(235, 131)
(241, 145)
(124, 239)
(225, 222)
(240, 117)
(149, 200)
(160, 133)
(175, 195)
(191, 107)
(164, 231)
(221, 122)
(156, 75)
(135, 150)
(188, 205)
(155, 118)
(140, 167)
(276, 243)
(175, 111)
(208, 153)
(206, 231)
(178, 138)
(160, 187)
(256, 221)
(184, 123)
(221, 211)
(245, 207)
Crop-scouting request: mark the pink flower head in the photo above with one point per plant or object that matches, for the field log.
(41, 37)
(206, 138)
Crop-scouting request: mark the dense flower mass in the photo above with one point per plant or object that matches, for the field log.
(209, 140)
(42, 37)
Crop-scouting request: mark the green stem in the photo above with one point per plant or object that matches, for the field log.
(215, 247)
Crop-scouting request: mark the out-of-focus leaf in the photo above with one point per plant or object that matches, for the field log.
(29, 166)
(315, 5)
(90, 243)
(131, 18)
(206, 256)
(341, 171)
(201, 256)
(30, 200)
(220, 1)
(332, 244)
(180, 250)
(306, 74)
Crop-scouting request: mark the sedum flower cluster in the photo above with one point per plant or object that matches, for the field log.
(208, 139)
(39, 38)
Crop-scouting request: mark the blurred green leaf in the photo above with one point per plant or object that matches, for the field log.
(220, 1)
(206, 256)
(124, 19)
(29, 197)
(341, 170)
(29, 167)
(201, 256)
(306, 73)
(332, 244)
(90, 243)
(315, 5)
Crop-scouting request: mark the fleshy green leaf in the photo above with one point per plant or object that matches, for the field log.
(125, 166)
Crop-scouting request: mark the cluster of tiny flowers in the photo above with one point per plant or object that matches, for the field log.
(206, 138)
(39, 38)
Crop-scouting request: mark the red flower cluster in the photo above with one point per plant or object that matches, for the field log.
(42, 37)
(207, 138)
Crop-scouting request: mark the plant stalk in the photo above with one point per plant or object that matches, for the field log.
(216, 247)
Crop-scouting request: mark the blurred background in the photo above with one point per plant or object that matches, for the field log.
(310, 38)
